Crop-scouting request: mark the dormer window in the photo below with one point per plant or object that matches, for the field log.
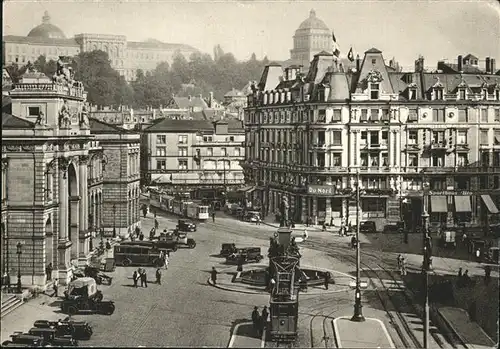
(485, 93)
(412, 93)
(461, 94)
(374, 91)
(438, 94)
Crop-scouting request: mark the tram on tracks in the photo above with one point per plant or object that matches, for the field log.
(183, 208)
(284, 261)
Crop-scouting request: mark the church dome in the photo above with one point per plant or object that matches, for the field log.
(313, 22)
(46, 30)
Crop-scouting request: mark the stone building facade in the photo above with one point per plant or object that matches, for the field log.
(126, 56)
(121, 184)
(193, 156)
(45, 158)
(308, 135)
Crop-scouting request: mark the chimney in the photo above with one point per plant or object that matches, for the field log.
(358, 63)
(210, 99)
(460, 63)
(487, 70)
(493, 66)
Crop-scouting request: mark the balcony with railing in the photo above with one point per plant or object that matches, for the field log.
(438, 145)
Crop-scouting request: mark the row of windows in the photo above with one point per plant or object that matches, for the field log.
(462, 94)
(41, 50)
(182, 164)
(366, 115)
(183, 139)
(183, 151)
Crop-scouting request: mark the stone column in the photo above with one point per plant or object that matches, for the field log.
(64, 245)
(315, 210)
(328, 210)
(303, 213)
(83, 212)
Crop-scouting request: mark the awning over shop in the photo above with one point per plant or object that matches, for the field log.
(164, 178)
(247, 189)
(489, 203)
(439, 204)
(462, 203)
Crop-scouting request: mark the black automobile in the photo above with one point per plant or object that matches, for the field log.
(393, 228)
(367, 227)
(183, 225)
(227, 249)
(245, 255)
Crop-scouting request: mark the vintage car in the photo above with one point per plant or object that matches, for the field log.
(245, 255)
(183, 240)
(26, 339)
(82, 295)
(50, 335)
(393, 228)
(252, 216)
(367, 227)
(77, 329)
(183, 225)
(227, 249)
(97, 275)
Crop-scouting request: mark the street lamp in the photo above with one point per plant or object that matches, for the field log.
(19, 252)
(114, 220)
(426, 259)
(358, 307)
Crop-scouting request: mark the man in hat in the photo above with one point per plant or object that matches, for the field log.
(256, 320)
(213, 275)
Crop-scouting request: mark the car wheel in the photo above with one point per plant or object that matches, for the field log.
(126, 262)
(258, 259)
(192, 245)
(72, 310)
(111, 309)
(99, 297)
(174, 248)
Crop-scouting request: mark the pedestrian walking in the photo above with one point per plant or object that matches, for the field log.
(258, 220)
(213, 275)
(264, 318)
(324, 226)
(400, 261)
(144, 279)
(403, 266)
(307, 222)
(331, 221)
(487, 274)
(141, 236)
(256, 320)
(135, 276)
(55, 287)
(158, 276)
(240, 264)
(353, 242)
(48, 271)
(108, 245)
(156, 223)
(213, 216)
(144, 210)
(478, 255)
(459, 273)
(327, 279)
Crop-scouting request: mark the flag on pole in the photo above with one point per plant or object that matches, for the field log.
(350, 55)
(336, 48)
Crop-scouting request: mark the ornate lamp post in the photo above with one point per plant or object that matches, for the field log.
(114, 220)
(426, 257)
(358, 307)
(19, 252)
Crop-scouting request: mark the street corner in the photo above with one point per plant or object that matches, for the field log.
(244, 335)
(370, 333)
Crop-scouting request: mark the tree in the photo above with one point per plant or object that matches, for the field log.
(15, 72)
(105, 86)
(48, 68)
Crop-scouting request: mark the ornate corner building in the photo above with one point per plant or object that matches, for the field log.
(54, 181)
(307, 137)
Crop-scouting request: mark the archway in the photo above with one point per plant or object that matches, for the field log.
(49, 243)
(74, 202)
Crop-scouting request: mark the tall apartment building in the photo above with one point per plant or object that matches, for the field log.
(198, 158)
(308, 135)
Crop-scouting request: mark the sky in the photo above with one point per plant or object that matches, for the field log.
(403, 29)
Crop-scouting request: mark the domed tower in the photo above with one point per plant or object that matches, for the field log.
(46, 30)
(312, 36)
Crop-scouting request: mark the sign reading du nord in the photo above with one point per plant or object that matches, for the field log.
(327, 190)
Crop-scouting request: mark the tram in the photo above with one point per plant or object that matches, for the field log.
(284, 299)
(183, 208)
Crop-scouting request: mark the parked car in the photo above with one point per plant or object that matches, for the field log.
(367, 227)
(183, 240)
(252, 216)
(227, 249)
(393, 228)
(183, 225)
(246, 255)
(82, 295)
(51, 336)
(25, 339)
(77, 329)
